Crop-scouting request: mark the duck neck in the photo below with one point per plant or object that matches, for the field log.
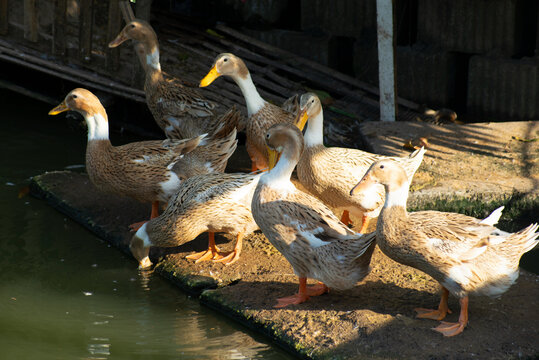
(396, 196)
(279, 176)
(252, 98)
(98, 125)
(151, 50)
(314, 135)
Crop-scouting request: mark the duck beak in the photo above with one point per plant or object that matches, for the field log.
(273, 157)
(59, 109)
(301, 119)
(119, 39)
(363, 184)
(208, 79)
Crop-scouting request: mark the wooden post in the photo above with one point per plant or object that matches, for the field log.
(4, 21)
(113, 28)
(85, 29)
(143, 9)
(30, 20)
(59, 29)
(386, 60)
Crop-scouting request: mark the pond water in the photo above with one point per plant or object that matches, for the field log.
(64, 293)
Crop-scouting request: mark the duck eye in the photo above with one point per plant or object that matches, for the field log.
(381, 166)
(132, 26)
(225, 59)
(74, 96)
(312, 101)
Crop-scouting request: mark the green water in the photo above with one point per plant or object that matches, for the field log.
(64, 293)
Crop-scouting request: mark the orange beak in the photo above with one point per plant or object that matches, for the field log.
(208, 79)
(59, 109)
(301, 119)
(118, 40)
(366, 182)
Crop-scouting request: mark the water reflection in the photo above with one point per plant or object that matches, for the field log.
(66, 294)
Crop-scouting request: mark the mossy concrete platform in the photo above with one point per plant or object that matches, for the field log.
(373, 320)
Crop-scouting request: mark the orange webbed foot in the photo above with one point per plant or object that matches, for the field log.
(303, 294)
(433, 314)
(210, 254)
(291, 300)
(228, 258)
(449, 328)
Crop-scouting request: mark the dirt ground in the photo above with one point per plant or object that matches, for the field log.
(376, 319)
(471, 158)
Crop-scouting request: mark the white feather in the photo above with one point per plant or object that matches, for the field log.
(493, 218)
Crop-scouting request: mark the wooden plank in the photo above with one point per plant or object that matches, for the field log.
(114, 26)
(85, 30)
(288, 57)
(59, 28)
(66, 72)
(386, 59)
(30, 20)
(4, 21)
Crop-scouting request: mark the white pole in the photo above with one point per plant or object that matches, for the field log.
(386, 60)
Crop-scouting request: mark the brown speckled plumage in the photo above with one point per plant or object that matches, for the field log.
(212, 202)
(330, 172)
(301, 227)
(147, 170)
(180, 111)
(465, 254)
(261, 114)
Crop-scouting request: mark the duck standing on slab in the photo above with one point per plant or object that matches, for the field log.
(181, 112)
(142, 170)
(213, 203)
(302, 228)
(464, 254)
(261, 114)
(330, 172)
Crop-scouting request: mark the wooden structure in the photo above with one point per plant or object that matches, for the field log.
(69, 38)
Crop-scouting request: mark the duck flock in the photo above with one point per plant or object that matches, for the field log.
(186, 172)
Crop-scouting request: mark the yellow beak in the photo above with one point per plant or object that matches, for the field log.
(119, 39)
(59, 109)
(363, 184)
(208, 79)
(301, 119)
(273, 157)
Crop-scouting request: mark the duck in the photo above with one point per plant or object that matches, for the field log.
(467, 256)
(330, 172)
(302, 228)
(261, 115)
(180, 111)
(204, 203)
(148, 171)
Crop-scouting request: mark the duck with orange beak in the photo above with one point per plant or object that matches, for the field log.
(180, 111)
(464, 254)
(302, 228)
(261, 114)
(148, 171)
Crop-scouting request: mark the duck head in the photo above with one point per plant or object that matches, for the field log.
(228, 65)
(385, 172)
(285, 141)
(138, 30)
(309, 107)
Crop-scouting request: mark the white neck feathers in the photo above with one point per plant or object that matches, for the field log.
(397, 197)
(98, 127)
(152, 59)
(252, 98)
(279, 176)
(314, 135)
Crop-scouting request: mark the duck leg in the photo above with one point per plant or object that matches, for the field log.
(452, 329)
(364, 224)
(438, 314)
(303, 294)
(345, 218)
(154, 214)
(234, 255)
(211, 254)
